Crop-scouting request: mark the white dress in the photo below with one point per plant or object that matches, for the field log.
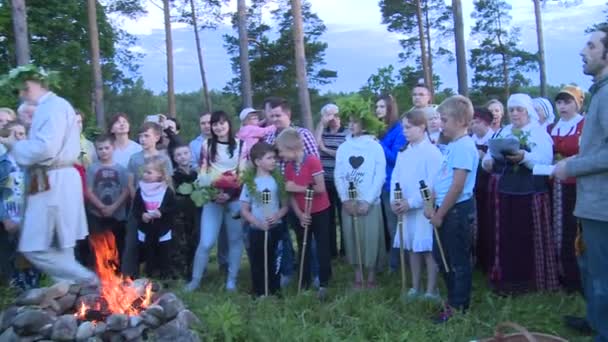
(418, 162)
(55, 217)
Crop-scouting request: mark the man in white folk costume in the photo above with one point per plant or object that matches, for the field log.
(54, 216)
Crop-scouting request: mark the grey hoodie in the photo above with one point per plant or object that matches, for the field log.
(590, 166)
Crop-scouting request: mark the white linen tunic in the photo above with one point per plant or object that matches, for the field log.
(54, 218)
(418, 162)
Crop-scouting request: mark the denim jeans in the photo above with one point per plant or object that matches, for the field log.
(213, 215)
(593, 264)
(455, 235)
(284, 253)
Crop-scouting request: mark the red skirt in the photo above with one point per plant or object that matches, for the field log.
(485, 191)
(525, 257)
(565, 227)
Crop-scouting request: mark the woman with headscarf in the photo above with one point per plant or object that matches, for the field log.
(524, 258)
(566, 133)
(544, 108)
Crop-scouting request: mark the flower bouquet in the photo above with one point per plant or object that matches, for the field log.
(208, 185)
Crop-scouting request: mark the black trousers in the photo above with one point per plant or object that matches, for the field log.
(319, 228)
(156, 256)
(335, 209)
(256, 255)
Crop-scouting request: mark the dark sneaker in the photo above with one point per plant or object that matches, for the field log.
(443, 316)
(579, 324)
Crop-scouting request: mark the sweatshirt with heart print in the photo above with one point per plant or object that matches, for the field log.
(360, 160)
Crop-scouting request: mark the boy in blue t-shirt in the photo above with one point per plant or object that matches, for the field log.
(263, 217)
(453, 194)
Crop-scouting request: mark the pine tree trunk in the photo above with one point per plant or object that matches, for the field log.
(199, 51)
(96, 64)
(461, 58)
(169, 47)
(300, 56)
(246, 90)
(429, 48)
(22, 47)
(423, 53)
(541, 49)
(504, 61)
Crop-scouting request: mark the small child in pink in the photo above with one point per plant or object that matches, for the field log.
(250, 131)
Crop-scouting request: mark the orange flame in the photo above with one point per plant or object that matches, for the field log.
(117, 290)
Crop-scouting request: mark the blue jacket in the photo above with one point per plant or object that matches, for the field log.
(392, 142)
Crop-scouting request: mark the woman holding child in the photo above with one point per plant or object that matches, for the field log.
(524, 258)
(221, 164)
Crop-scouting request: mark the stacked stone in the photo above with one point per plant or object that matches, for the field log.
(48, 314)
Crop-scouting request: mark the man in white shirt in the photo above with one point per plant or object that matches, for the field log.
(53, 221)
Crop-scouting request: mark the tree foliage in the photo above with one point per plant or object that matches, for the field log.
(271, 53)
(399, 83)
(59, 40)
(499, 64)
(400, 17)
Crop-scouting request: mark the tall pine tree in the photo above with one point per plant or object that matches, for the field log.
(499, 64)
(273, 69)
(436, 22)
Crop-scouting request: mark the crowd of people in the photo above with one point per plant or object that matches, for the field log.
(509, 198)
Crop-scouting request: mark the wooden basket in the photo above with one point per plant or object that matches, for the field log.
(522, 335)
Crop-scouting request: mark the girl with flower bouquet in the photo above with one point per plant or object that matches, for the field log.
(524, 245)
(219, 189)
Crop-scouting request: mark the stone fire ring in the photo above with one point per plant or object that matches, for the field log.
(48, 314)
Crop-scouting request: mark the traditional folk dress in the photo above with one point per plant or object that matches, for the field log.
(55, 217)
(417, 162)
(482, 231)
(524, 244)
(566, 135)
(361, 160)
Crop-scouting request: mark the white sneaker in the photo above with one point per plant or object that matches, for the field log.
(193, 285)
(413, 293)
(433, 297)
(231, 285)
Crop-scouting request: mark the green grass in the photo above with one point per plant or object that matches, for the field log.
(370, 315)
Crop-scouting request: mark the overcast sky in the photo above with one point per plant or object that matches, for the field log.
(358, 44)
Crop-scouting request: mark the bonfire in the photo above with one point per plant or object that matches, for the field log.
(118, 295)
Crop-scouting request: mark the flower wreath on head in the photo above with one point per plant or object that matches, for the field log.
(16, 77)
(248, 178)
(357, 107)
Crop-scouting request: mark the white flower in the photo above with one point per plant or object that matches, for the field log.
(204, 180)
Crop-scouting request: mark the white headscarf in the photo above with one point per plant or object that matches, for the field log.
(546, 105)
(525, 101)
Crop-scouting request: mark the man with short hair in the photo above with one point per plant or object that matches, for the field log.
(53, 221)
(421, 96)
(204, 122)
(590, 167)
